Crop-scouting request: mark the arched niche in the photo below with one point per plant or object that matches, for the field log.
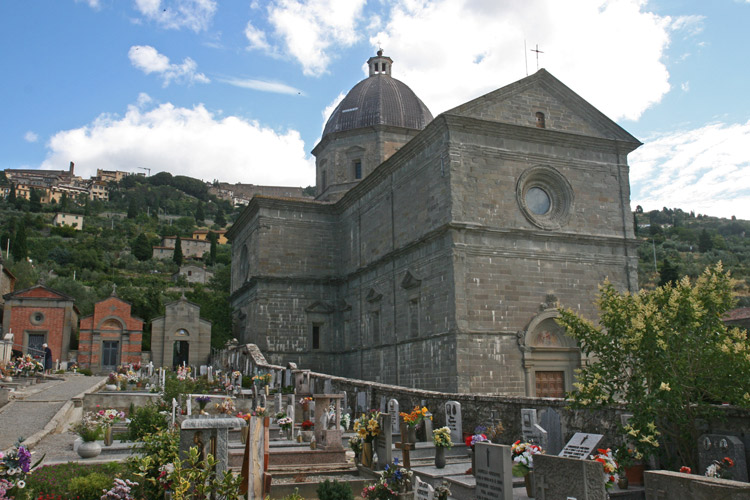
(550, 357)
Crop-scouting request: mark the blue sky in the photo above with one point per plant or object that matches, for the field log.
(239, 90)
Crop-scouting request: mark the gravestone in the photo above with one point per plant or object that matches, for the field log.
(287, 377)
(714, 447)
(428, 427)
(327, 439)
(383, 408)
(210, 375)
(384, 442)
(560, 477)
(668, 485)
(539, 437)
(581, 446)
(362, 402)
(210, 435)
(453, 420)
(174, 410)
(493, 472)
(423, 490)
(278, 400)
(327, 387)
(393, 410)
(550, 422)
(290, 414)
(528, 419)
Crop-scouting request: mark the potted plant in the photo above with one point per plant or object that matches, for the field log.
(630, 460)
(112, 382)
(106, 419)
(367, 428)
(88, 430)
(442, 439)
(412, 420)
(394, 483)
(523, 462)
(307, 432)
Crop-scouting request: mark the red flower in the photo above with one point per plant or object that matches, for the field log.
(686, 470)
(728, 461)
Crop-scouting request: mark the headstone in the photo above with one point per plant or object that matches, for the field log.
(560, 477)
(528, 419)
(210, 435)
(362, 402)
(383, 408)
(327, 387)
(253, 468)
(550, 422)
(668, 485)
(393, 410)
(210, 375)
(494, 472)
(189, 404)
(278, 401)
(428, 427)
(384, 442)
(423, 490)
(453, 420)
(203, 370)
(539, 437)
(287, 377)
(580, 446)
(290, 414)
(174, 410)
(714, 447)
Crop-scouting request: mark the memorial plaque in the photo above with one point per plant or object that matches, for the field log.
(453, 420)
(494, 475)
(423, 490)
(384, 442)
(581, 446)
(528, 419)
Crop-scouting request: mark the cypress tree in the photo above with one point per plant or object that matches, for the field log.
(142, 248)
(18, 247)
(199, 215)
(177, 255)
(220, 220)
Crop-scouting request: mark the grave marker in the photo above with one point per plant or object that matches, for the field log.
(405, 448)
(327, 387)
(714, 447)
(453, 420)
(394, 410)
(362, 402)
(423, 490)
(550, 422)
(494, 475)
(580, 446)
(560, 477)
(210, 435)
(384, 442)
(383, 408)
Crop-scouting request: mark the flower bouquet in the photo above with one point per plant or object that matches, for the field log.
(477, 437)
(307, 425)
(202, 402)
(346, 419)
(285, 422)
(523, 457)
(720, 469)
(88, 428)
(264, 379)
(107, 418)
(305, 402)
(442, 438)
(367, 426)
(226, 407)
(355, 443)
(414, 417)
(13, 469)
(605, 458)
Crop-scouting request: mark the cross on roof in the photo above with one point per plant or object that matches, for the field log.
(537, 55)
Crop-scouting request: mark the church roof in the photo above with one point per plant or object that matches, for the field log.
(379, 100)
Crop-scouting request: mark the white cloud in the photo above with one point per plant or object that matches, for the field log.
(149, 60)
(685, 86)
(263, 86)
(309, 30)
(193, 142)
(177, 14)
(30, 136)
(706, 170)
(610, 52)
(94, 4)
(328, 110)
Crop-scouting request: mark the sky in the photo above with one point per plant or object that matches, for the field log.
(239, 91)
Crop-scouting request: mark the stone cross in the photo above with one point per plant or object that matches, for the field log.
(405, 448)
(453, 420)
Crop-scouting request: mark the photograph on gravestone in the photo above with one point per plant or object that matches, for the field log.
(453, 420)
(384, 442)
(423, 490)
(562, 478)
(493, 473)
(714, 449)
(581, 445)
(549, 419)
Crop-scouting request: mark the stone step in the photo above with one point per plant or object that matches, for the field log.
(426, 450)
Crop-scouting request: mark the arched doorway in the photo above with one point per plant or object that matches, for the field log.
(180, 353)
(549, 356)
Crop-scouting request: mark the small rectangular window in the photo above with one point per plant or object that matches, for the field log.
(358, 169)
(316, 337)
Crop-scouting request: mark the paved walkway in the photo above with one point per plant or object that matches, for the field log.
(27, 416)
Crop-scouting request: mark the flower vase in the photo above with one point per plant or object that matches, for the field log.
(411, 434)
(439, 457)
(528, 480)
(367, 455)
(634, 473)
(89, 449)
(622, 482)
(110, 387)
(289, 432)
(108, 436)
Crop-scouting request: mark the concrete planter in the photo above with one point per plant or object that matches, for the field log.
(89, 449)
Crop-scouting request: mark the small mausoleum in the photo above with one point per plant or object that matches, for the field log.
(180, 336)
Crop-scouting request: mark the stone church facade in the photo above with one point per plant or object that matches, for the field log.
(437, 250)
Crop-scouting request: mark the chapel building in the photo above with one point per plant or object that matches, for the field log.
(437, 250)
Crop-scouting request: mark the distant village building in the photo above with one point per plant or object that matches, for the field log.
(73, 220)
(240, 194)
(40, 315)
(191, 248)
(739, 318)
(193, 274)
(202, 234)
(180, 336)
(110, 337)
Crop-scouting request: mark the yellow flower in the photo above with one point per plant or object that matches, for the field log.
(665, 387)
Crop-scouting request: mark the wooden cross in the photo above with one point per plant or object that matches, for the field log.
(405, 448)
(537, 55)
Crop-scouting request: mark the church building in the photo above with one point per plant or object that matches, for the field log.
(437, 250)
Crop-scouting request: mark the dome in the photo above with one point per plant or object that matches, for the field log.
(379, 100)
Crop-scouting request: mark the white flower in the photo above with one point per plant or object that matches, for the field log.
(21, 484)
(712, 471)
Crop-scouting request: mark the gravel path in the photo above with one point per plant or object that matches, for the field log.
(24, 417)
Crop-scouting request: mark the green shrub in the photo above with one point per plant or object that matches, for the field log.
(89, 487)
(294, 496)
(85, 371)
(333, 490)
(146, 420)
(53, 480)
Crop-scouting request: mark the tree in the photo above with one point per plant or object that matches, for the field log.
(18, 244)
(199, 215)
(177, 255)
(705, 242)
(212, 253)
(220, 220)
(132, 209)
(668, 356)
(142, 247)
(668, 273)
(35, 201)
(12, 195)
(64, 202)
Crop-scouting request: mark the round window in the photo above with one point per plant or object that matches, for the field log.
(37, 318)
(545, 197)
(538, 201)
